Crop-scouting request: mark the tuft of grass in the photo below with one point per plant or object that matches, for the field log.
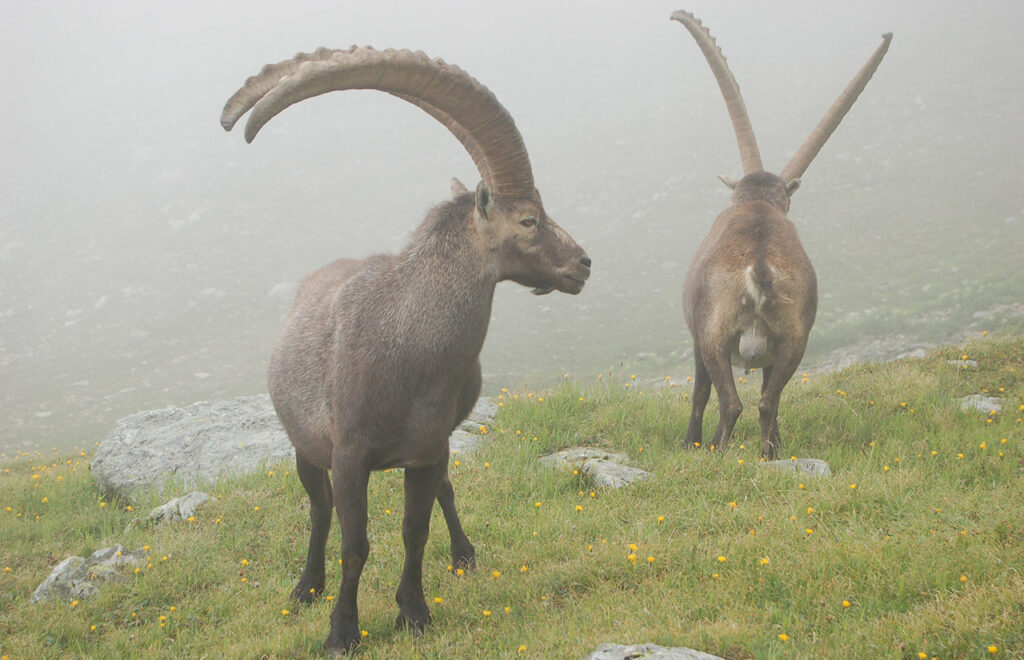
(914, 545)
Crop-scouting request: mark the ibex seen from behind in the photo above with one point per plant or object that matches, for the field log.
(750, 295)
(378, 360)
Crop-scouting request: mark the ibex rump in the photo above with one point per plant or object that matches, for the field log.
(378, 360)
(750, 294)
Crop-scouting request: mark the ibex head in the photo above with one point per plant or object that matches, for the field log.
(769, 187)
(523, 244)
(527, 245)
(761, 186)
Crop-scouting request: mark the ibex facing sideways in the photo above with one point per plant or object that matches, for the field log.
(378, 360)
(750, 295)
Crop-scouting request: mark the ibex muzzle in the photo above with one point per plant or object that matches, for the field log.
(750, 295)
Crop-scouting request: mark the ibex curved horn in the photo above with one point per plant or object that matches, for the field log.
(467, 108)
(749, 153)
(821, 133)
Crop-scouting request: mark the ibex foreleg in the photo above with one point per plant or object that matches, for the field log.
(421, 488)
(350, 484)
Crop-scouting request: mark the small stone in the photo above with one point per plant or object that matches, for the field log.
(179, 508)
(812, 467)
(985, 404)
(69, 580)
(605, 468)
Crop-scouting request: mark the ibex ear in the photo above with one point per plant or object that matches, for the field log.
(792, 186)
(458, 188)
(729, 181)
(484, 200)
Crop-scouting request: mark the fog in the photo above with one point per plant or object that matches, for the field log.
(147, 257)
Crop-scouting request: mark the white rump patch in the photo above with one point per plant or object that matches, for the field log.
(753, 290)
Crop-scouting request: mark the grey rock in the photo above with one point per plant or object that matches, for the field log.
(180, 508)
(986, 404)
(104, 573)
(964, 364)
(196, 443)
(608, 474)
(67, 581)
(648, 652)
(605, 468)
(204, 441)
(116, 557)
(812, 467)
(463, 442)
(882, 349)
(576, 457)
(76, 577)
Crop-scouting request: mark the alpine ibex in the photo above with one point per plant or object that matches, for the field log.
(750, 295)
(378, 360)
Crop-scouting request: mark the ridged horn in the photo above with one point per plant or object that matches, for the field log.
(816, 140)
(467, 108)
(749, 154)
(256, 87)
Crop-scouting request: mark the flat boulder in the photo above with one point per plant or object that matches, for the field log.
(647, 652)
(606, 469)
(193, 444)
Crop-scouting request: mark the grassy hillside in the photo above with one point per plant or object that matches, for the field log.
(913, 548)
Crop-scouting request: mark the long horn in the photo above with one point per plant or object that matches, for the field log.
(749, 153)
(466, 107)
(821, 133)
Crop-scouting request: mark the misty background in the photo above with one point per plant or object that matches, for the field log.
(147, 258)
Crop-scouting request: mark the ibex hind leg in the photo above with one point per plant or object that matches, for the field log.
(463, 553)
(719, 369)
(776, 376)
(317, 483)
(701, 394)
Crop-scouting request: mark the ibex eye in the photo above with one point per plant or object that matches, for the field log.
(528, 222)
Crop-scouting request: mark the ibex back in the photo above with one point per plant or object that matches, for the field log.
(750, 295)
(378, 361)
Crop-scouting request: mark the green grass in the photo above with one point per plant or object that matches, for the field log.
(927, 550)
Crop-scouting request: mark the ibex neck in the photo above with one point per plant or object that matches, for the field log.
(446, 288)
